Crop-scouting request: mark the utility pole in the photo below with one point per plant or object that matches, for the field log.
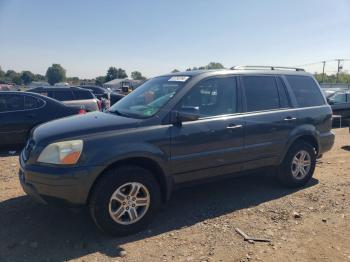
(324, 64)
(338, 70)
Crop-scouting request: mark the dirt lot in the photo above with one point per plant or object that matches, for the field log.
(198, 223)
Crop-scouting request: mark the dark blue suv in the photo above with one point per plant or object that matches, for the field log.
(175, 129)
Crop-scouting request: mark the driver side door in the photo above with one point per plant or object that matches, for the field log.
(211, 145)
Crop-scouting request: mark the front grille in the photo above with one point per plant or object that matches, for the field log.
(28, 149)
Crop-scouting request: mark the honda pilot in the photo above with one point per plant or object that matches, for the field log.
(175, 129)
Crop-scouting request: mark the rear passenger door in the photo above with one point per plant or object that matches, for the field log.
(269, 119)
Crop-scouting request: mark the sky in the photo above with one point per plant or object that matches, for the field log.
(157, 36)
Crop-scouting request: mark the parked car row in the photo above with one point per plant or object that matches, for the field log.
(74, 96)
(20, 112)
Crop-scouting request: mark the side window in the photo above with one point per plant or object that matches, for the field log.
(215, 96)
(11, 103)
(81, 95)
(63, 95)
(31, 102)
(338, 98)
(282, 92)
(261, 93)
(306, 91)
(3, 104)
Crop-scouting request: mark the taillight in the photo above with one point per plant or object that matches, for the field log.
(82, 111)
(99, 104)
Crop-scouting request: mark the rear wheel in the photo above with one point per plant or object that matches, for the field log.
(298, 166)
(125, 200)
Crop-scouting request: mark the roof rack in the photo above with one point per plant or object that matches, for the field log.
(266, 67)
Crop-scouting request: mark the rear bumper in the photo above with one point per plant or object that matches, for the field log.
(59, 186)
(326, 142)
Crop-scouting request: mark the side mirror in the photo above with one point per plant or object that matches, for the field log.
(186, 114)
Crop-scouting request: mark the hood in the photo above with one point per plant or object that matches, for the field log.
(81, 125)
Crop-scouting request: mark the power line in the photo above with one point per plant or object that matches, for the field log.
(320, 62)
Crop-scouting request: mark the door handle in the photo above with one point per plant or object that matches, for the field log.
(233, 126)
(289, 118)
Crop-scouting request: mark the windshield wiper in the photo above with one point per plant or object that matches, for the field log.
(116, 112)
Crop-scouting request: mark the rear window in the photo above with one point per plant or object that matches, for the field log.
(306, 91)
(63, 95)
(82, 94)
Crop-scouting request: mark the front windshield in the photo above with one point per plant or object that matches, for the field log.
(150, 97)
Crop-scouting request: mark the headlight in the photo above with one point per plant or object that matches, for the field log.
(62, 153)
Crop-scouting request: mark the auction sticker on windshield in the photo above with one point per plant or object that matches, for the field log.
(179, 78)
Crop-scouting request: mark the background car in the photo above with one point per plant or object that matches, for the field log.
(21, 111)
(340, 103)
(72, 96)
(98, 91)
(115, 97)
(4, 87)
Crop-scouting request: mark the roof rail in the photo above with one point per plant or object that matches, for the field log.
(266, 67)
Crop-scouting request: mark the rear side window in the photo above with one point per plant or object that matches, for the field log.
(10, 103)
(31, 102)
(81, 95)
(306, 91)
(63, 95)
(261, 93)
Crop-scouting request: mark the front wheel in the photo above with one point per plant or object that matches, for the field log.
(298, 166)
(125, 200)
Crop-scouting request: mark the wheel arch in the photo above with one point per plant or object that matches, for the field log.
(164, 181)
(309, 138)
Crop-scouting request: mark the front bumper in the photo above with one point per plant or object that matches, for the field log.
(68, 186)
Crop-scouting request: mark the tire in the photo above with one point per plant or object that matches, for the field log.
(121, 181)
(288, 172)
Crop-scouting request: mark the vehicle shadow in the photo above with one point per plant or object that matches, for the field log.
(11, 152)
(35, 232)
(347, 148)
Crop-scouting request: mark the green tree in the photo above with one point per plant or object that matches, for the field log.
(2, 73)
(16, 79)
(214, 65)
(136, 75)
(100, 80)
(55, 74)
(10, 73)
(175, 71)
(39, 77)
(27, 77)
(13, 77)
(73, 80)
(115, 73)
(121, 74)
(112, 73)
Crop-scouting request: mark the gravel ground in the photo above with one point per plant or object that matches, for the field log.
(198, 224)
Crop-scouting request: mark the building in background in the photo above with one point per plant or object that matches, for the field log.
(123, 84)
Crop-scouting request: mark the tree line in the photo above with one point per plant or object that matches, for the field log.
(56, 73)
